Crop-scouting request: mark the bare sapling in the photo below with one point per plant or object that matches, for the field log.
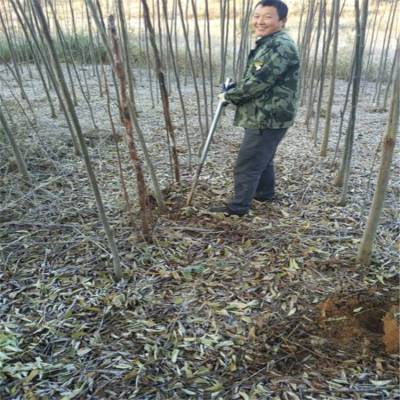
(245, 33)
(15, 148)
(388, 145)
(305, 48)
(127, 121)
(71, 110)
(327, 37)
(344, 172)
(67, 51)
(384, 53)
(311, 87)
(192, 68)
(177, 79)
(328, 118)
(202, 71)
(115, 138)
(51, 76)
(163, 92)
(97, 16)
(210, 56)
(391, 79)
(36, 59)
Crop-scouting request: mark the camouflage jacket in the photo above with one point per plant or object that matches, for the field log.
(266, 96)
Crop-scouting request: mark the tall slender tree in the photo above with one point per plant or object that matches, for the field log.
(164, 94)
(78, 130)
(127, 121)
(15, 148)
(389, 140)
(344, 173)
(328, 118)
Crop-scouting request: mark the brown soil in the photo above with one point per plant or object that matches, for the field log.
(391, 328)
(366, 319)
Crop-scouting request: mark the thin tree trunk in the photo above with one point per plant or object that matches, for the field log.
(203, 77)
(140, 181)
(177, 79)
(324, 144)
(222, 8)
(163, 91)
(324, 62)
(36, 59)
(246, 13)
(309, 92)
(299, 29)
(17, 153)
(360, 39)
(95, 62)
(234, 39)
(384, 53)
(148, 66)
(66, 50)
(366, 245)
(210, 66)
(306, 47)
(50, 73)
(391, 79)
(88, 164)
(226, 40)
(13, 58)
(96, 13)
(192, 68)
(371, 43)
(115, 138)
(339, 182)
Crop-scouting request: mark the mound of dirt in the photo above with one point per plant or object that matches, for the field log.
(366, 319)
(391, 330)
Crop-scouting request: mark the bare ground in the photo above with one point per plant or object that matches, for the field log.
(268, 306)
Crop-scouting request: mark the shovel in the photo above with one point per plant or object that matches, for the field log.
(207, 143)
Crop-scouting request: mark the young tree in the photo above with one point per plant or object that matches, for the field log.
(17, 153)
(127, 121)
(78, 130)
(164, 94)
(97, 16)
(177, 79)
(389, 140)
(344, 173)
(324, 144)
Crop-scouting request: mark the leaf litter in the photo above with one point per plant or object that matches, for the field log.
(271, 305)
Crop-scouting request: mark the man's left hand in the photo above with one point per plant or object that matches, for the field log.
(221, 97)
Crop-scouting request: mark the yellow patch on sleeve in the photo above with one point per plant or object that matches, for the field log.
(258, 65)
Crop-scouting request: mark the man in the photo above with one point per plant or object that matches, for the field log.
(266, 105)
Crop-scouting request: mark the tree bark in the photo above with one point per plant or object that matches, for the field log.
(127, 121)
(163, 91)
(366, 245)
(324, 144)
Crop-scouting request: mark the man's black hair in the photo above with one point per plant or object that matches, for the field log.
(280, 6)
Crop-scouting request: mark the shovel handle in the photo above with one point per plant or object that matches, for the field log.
(204, 152)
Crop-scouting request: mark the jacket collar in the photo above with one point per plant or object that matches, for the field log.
(263, 39)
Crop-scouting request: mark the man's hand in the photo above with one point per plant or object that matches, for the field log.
(229, 84)
(221, 97)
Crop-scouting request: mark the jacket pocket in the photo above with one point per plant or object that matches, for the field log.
(283, 110)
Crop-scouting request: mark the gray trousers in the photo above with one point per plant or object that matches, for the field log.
(254, 170)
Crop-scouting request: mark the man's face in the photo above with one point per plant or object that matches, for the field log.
(266, 20)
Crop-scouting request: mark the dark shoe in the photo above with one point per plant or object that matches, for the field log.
(266, 199)
(226, 210)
